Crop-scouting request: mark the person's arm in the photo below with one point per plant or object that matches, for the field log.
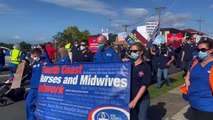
(187, 82)
(170, 61)
(138, 96)
(183, 54)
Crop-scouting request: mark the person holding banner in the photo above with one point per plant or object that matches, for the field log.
(141, 78)
(34, 82)
(105, 52)
(64, 56)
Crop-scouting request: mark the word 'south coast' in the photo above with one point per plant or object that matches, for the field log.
(65, 69)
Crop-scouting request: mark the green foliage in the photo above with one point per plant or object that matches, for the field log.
(10, 46)
(25, 46)
(71, 34)
(154, 92)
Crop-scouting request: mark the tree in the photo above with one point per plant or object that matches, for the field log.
(71, 34)
(25, 46)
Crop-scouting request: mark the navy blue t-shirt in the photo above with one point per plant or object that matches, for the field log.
(84, 57)
(189, 50)
(141, 76)
(164, 59)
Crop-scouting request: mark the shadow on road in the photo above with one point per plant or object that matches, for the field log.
(157, 112)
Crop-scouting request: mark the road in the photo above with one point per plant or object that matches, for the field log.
(16, 110)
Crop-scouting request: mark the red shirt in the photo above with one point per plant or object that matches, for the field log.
(51, 51)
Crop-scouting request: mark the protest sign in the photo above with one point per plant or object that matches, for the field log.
(160, 39)
(90, 91)
(175, 40)
(93, 44)
(18, 76)
(135, 36)
(122, 36)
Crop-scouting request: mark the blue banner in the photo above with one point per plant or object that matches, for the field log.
(90, 91)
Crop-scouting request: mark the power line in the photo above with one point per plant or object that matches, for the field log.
(159, 9)
(200, 23)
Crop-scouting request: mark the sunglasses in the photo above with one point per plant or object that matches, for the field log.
(202, 50)
(134, 51)
(83, 45)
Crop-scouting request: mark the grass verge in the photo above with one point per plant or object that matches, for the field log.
(154, 92)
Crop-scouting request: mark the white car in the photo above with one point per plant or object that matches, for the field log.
(7, 58)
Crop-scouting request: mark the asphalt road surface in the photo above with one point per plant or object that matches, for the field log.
(16, 110)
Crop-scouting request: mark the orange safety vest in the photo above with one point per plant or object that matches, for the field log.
(183, 87)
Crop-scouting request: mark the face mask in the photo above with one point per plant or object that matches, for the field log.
(135, 56)
(100, 46)
(76, 45)
(36, 59)
(82, 48)
(202, 55)
(188, 42)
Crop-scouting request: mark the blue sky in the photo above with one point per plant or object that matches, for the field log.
(37, 21)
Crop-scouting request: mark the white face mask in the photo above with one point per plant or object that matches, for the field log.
(36, 59)
(82, 47)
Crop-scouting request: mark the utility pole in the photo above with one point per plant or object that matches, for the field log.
(159, 9)
(200, 23)
(125, 27)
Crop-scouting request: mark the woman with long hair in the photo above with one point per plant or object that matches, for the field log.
(140, 80)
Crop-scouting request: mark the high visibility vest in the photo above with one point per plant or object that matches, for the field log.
(15, 56)
(183, 87)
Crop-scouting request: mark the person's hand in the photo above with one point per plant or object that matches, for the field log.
(132, 104)
(125, 59)
(168, 64)
(187, 83)
(45, 63)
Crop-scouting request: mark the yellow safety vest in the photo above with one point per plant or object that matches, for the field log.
(68, 46)
(15, 56)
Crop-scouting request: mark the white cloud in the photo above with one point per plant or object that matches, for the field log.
(136, 12)
(40, 40)
(93, 6)
(211, 6)
(118, 25)
(17, 37)
(6, 9)
(172, 20)
(175, 20)
(178, 25)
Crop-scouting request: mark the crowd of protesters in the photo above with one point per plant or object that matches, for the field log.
(148, 65)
